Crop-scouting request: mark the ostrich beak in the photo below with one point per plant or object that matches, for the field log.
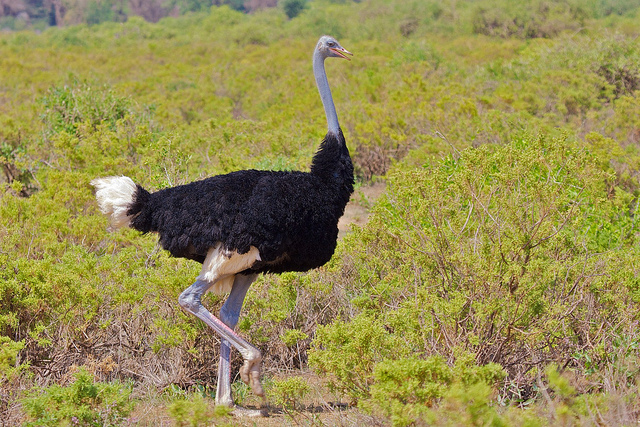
(342, 52)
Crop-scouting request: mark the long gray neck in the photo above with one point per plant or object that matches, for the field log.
(325, 92)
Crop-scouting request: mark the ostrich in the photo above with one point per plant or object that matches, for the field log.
(244, 223)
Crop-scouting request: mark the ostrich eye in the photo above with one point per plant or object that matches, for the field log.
(331, 44)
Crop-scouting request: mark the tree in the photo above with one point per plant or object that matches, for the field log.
(293, 7)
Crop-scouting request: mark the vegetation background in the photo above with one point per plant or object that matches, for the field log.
(496, 280)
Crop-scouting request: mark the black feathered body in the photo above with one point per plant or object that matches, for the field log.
(290, 217)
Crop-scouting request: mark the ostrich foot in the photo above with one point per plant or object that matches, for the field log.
(250, 375)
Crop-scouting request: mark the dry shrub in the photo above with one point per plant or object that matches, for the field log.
(625, 79)
(373, 161)
(409, 26)
(254, 5)
(532, 20)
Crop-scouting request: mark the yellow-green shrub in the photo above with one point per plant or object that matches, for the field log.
(512, 254)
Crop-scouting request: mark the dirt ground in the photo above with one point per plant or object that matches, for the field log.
(319, 408)
(357, 210)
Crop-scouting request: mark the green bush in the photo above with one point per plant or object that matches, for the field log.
(83, 402)
(292, 8)
(9, 350)
(196, 411)
(68, 106)
(404, 390)
(508, 253)
(289, 393)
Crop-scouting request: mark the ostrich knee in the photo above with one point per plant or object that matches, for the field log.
(189, 301)
(190, 298)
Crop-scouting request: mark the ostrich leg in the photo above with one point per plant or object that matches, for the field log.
(229, 314)
(190, 300)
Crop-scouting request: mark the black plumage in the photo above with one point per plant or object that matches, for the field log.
(290, 217)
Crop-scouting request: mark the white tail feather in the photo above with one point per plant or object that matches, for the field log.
(115, 195)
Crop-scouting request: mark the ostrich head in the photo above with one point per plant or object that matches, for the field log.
(327, 47)
(330, 48)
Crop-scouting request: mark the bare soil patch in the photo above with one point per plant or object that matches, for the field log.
(357, 210)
